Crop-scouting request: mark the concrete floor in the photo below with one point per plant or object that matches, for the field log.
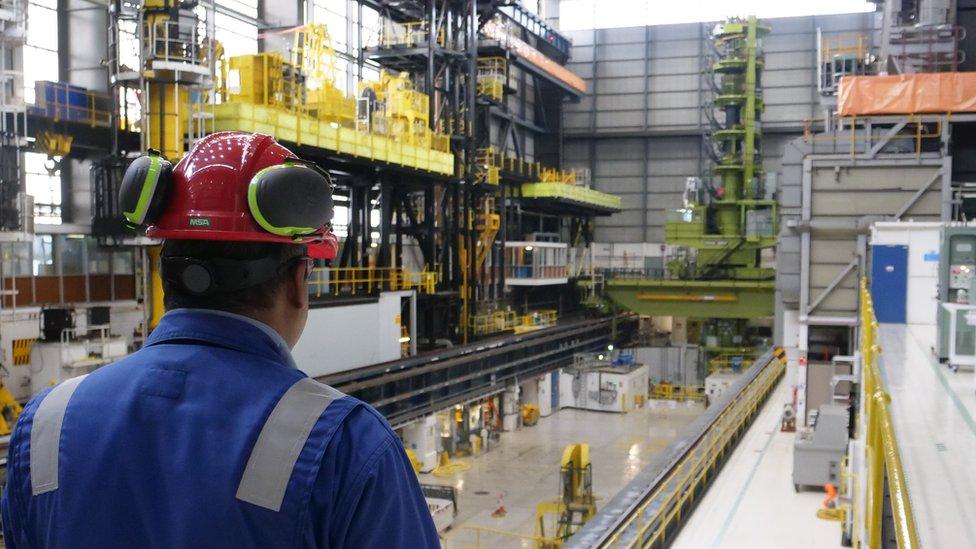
(524, 467)
(933, 412)
(752, 503)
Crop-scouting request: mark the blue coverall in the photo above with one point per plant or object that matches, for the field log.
(208, 437)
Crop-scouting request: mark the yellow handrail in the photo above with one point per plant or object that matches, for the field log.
(685, 482)
(883, 456)
(366, 280)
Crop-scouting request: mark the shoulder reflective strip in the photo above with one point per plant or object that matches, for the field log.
(45, 437)
(281, 441)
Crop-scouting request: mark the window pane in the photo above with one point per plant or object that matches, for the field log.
(44, 256)
(99, 258)
(16, 258)
(39, 64)
(122, 262)
(72, 255)
(237, 37)
(42, 24)
(44, 185)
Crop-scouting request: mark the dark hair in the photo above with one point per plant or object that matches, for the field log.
(260, 296)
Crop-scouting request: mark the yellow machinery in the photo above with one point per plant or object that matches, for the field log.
(314, 57)
(298, 100)
(536, 320)
(392, 107)
(575, 504)
(414, 460)
(491, 77)
(173, 64)
(265, 79)
(10, 410)
(501, 321)
(671, 391)
(155, 299)
(530, 414)
(487, 166)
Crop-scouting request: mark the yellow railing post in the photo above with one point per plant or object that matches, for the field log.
(881, 447)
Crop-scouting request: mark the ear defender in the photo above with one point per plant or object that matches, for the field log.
(144, 188)
(291, 199)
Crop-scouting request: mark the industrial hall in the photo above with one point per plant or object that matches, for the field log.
(465, 274)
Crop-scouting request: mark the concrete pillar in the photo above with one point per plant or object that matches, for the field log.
(511, 408)
(82, 48)
(421, 437)
(545, 395)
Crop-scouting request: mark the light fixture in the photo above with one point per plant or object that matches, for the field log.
(610, 347)
(528, 248)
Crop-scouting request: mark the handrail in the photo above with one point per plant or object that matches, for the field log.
(882, 453)
(652, 515)
(366, 280)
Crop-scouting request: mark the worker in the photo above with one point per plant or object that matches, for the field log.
(209, 435)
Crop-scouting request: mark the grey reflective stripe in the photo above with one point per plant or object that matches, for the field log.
(45, 436)
(281, 440)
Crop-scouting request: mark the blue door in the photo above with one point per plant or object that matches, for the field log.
(889, 282)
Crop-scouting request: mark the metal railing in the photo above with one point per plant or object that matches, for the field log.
(672, 391)
(368, 280)
(883, 459)
(656, 520)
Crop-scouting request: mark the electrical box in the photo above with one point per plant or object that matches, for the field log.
(957, 267)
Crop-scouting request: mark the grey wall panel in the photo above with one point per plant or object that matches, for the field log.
(625, 85)
(620, 102)
(648, 85)
(620, 68)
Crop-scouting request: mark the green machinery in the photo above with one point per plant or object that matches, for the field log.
(728, 217)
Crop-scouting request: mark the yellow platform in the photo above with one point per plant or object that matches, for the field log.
(572, 193)
(305, 130)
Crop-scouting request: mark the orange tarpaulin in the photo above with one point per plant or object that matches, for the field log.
(907, 94)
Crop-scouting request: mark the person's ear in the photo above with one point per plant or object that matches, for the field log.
(297, 289)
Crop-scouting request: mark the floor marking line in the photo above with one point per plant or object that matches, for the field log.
(745, 487)
(937, 368)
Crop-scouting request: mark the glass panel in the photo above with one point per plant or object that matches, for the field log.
(44, 256)
(99, 258)
(123, 262)
(44, 184)
(16, 258)
(72, 254)
(237, 37)
(41, 25)
(39, 64)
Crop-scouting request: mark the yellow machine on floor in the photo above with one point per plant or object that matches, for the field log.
(575, 504)
(530, 414)
(10, 410)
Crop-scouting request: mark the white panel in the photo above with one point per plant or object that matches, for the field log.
(342, 338)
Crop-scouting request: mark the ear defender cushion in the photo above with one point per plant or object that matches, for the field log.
(144, 188)
(290, 199)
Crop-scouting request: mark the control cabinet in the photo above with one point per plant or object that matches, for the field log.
(957, 267)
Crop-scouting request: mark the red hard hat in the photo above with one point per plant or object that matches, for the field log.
(210, 190)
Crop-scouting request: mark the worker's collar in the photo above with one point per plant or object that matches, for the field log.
(231, 330)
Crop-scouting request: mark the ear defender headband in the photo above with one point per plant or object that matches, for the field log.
(144, 188)
(211, 276)
(290, 199)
